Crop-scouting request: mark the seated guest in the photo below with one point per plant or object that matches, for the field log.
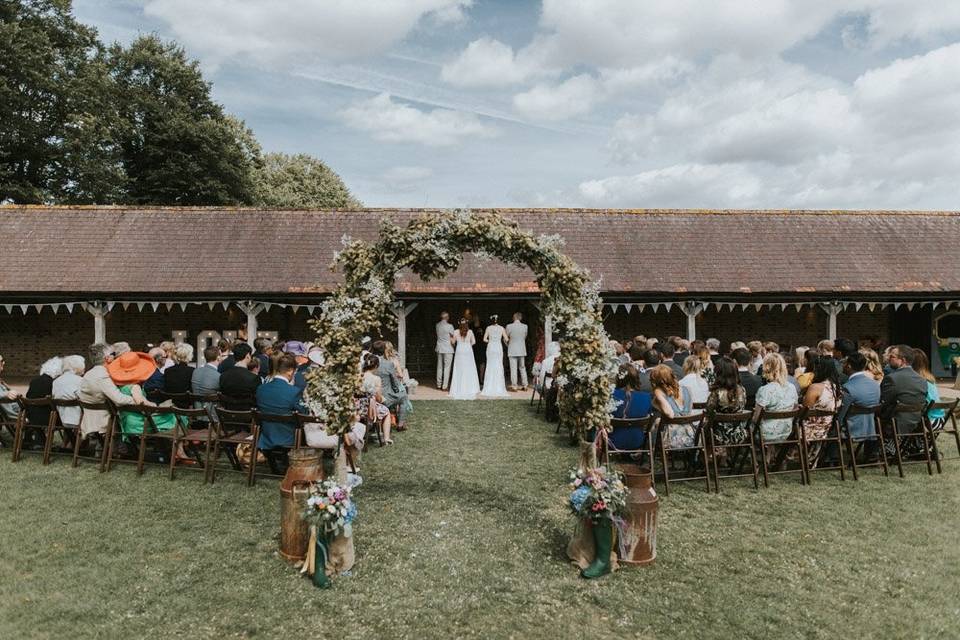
(129, 372)
(666, 351)
(874, 366)
(713, 346)
(263, 347)
(205, 380)
(546, 367)
(120, 348)
(8, 410)
(937, 417)
(298, 350)
(751, 381)
(226, 355)
(681, 349)
(824, 393)
(237, 382)
(805, 379)
(825, 348)
(862, 390)
(168, 347)
(317, 437)
(649, 361)
(394, 393)
(636, 356)
(177, 377)
(152, 387)
(410, 383)
(842, 347)
(670, 400)
(799, 360)
(693, 381)
(371, 404)
(755, 347)
(776, 395)
(41, 386)
(67, 387)
(279, 397)
(727, 395)
(902, 386)
(737, 344)
(632, 404)
(791, 367)
(97, 388)
(707, 366)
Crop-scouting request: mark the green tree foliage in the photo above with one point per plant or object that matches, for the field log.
(181, 148)
(58, 123)
(300, 181)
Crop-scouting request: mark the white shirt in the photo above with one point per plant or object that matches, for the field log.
(697, 386)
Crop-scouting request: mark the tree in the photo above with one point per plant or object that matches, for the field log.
(58, 123)
(180, 148)
(300, 181)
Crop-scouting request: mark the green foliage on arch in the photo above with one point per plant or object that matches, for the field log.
(432, 246)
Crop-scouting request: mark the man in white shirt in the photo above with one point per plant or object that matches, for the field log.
(517, 350)
(444, 351)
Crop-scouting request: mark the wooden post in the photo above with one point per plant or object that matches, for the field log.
(401, 312)
(691, 309)
(252, 310)
(99, 311)
(832, 310)
(547, 331)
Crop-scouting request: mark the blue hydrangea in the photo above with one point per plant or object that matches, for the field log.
(351, 512)
(579, 496)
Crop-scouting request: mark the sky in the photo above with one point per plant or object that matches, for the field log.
(816, 104)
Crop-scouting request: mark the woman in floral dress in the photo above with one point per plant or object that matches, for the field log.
(823, 393)
(727, 395)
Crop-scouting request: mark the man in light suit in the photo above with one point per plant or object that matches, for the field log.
(444, 351)
(862, 390)
(517, 350)
(205, 380)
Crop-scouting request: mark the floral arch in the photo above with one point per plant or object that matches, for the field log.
(432, 246)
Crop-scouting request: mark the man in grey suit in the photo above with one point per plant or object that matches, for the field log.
(902, 386)
(205, 380)
(444, 351)
(517, 350)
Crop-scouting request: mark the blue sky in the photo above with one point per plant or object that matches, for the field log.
(599, 103)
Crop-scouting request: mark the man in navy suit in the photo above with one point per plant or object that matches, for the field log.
(279, 397)
(862, 390)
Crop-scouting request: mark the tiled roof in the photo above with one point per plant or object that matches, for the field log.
(671, 253)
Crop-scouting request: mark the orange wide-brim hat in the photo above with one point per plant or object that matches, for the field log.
(131, 368)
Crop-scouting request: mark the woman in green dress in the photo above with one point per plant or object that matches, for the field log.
(129, 372)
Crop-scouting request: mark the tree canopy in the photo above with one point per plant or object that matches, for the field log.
(85, 123)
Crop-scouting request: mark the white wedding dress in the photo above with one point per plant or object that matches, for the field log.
(464, 383)
(494, 378)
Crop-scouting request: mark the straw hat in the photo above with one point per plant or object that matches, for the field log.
(131, 368)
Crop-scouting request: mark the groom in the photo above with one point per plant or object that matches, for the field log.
(517, 350)
(444, 351)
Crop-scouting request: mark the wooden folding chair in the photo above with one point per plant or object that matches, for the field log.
(193, 426)
(68, 432)
(147, 434)
(812, 463)
(374, 426)
(950, 426)
(750, 421)
(919, 433)
(180, 400)
(234, 428)
(699, 449)
(645, 425)
(298, 436)
(24, 424)
(541, 395)
(235, 403)
(795, 439)
(854, 447)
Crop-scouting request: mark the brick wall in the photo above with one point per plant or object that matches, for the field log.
(26, 341)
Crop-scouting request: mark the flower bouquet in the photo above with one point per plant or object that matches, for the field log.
(599, 496)
(330, 512)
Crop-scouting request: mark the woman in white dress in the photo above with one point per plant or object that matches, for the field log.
(464, 383)
(494, 381)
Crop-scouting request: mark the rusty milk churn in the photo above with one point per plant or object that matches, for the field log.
(305, 467)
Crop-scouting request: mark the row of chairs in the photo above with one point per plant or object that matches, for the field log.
(199, 421)
(767, 457)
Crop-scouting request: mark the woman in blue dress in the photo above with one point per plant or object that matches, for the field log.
(631, 403)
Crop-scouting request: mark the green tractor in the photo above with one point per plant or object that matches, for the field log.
(946, 344)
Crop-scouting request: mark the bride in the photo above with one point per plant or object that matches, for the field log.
(494, 381)
(465, 384)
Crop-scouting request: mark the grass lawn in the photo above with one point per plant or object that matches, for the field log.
(461, 534)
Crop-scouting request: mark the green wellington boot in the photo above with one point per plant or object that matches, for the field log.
(320, 578)
(602, 542)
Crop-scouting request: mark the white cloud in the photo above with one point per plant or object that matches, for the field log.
(406, 178)
(296, 32)
(487, 62)
(572, 97)
(391, 121)
(682, 185)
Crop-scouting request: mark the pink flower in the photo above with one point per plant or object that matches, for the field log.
(577, 482)
(600, 505)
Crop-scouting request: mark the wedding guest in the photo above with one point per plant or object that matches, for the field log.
(672, 400)
(394, 393)
(842, 347)
(713, 346)
(237, 382)
(737, 344)
(751, 382)
(727, 396)
(824, 393)
(168, 347)
(633, 403)
(153, 386)
(776, 395)
(177, 377)
(120, 348)
(874, 367)
(129, 371)
(298, 350)
(707, 367)
(279, 397)
(41, 386)
(755, 347)
(262, 348)
(547, 367)
(226, 355)
(666, 358)
(205, 380)
(8, 409)
(649, 360)
(67, 387)
(636, 356)
(903, 386)
(693, 380)
(805, 379)
(371, 404)
(318, 438)
(390, 353)
(770, 347)
(861, 390)
(791, 367)
(97, 388)
(800, 359)
(937, 417)
(681, 349)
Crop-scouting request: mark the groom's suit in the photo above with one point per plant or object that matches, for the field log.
(517, 351)
(444, 354)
